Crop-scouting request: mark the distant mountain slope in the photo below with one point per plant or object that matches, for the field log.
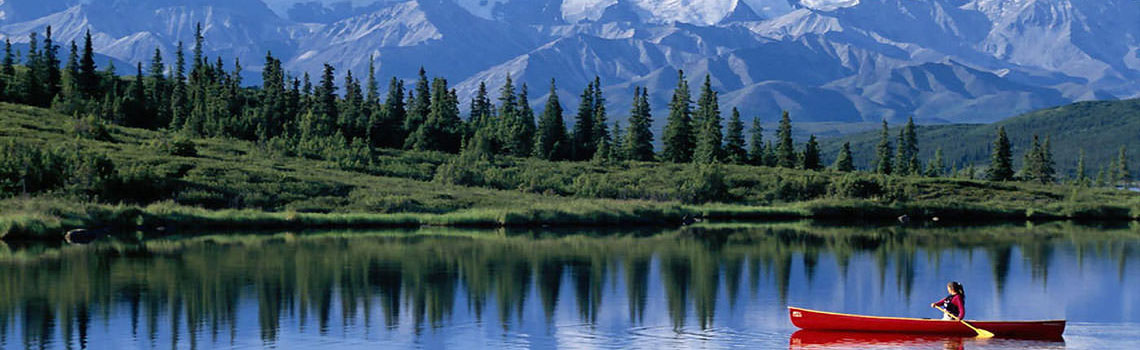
(1098, 127)
(941, 61)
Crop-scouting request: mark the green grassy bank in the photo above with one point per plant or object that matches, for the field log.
(58, 172)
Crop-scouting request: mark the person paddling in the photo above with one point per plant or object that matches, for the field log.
(955, 303)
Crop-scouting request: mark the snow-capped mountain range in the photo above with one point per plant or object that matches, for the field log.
(823, 60)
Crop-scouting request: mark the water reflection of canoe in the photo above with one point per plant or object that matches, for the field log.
(857, 340)
(830, 321)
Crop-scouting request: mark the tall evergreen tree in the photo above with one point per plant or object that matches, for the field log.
(31, 84)
(52, 74)
(527, 130)
(734, 140)
(1036, 165)
(326, 98)
(884, 153)
(707, 119)
(88, 76)
(69, 100)
(756, 143)
(178, 108)
(770, 157)
(584, 145)
(158, 94)
(134, 103)
(618, 150)
(1001, 160)
(811, 159)
(678, 135)
(371, 86)
(906, 161)
(8, 72)
(550, 141)
(601, 121)
(844, 162)
(419, 104)
(639, 138)
(510, 126)
(1082, 177)
(785, 150)
(937, 166)
(443, 130)
(483, 117)
(389, 127)
(1123, 173)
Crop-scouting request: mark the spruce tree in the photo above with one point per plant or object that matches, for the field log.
(618, 150)
(31, 84)
(550, 141)
(178, 108)
(906, 161)
(1123, 174)
(419, 104)
(506, 132)
(1001, 160)
(678, 135)
(770, 158)
(756, 143)
(583, 146)
(844, 161)
(8, 72)
(707, 119)
(52, 74)
(134, 103)
(937, 165)
(811, 158)
(69, 100)
(734, 140)
(639, 143)
(1048, 167)
(525, 115)
(601, 120)
(443, 130)
(389, 128)
(1036, 163)
(371, 86)
(1082, 175)
(326, 98)
(884, 153)
(88, 76)
(785, 150)
(481, 111)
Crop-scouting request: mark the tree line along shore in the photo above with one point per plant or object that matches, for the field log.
(83, 147)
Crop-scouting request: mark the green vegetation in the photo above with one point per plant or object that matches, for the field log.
(1097, 128)
(201, 150)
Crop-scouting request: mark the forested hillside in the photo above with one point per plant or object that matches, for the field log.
(1097, 128)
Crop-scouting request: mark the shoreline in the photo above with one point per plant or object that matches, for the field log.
(49, 220)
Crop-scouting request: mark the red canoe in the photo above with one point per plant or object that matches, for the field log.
(830, 321)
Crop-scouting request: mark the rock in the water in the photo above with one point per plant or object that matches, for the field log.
(905, 219)
(83, 236)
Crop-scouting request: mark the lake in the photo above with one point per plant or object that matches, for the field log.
(712, 285)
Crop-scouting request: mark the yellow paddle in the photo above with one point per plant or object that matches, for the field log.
(981, 332)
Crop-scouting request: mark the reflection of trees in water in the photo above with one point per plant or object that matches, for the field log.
(637, 286)
(195, 287)
(1000, 257)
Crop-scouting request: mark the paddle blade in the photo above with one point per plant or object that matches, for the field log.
(983, 333)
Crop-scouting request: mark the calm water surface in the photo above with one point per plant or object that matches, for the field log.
(710, 286)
